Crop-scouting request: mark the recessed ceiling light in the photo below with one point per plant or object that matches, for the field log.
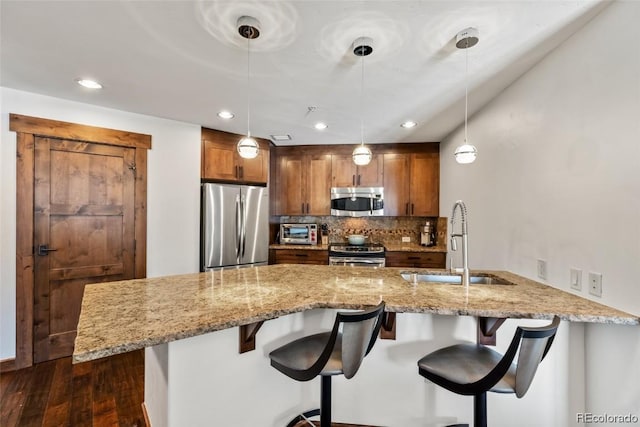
(88, 83)
(408, 124)
(320, 126)
(281, 137)
(224, 114)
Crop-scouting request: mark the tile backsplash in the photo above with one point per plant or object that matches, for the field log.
(378, 229)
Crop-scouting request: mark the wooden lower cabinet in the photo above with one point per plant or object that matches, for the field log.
(416, 259)
(299, 256)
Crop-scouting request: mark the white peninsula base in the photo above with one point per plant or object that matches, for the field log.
(204, 381)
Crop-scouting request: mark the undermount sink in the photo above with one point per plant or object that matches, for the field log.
(452, 279)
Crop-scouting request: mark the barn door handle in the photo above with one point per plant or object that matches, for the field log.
(43, 250)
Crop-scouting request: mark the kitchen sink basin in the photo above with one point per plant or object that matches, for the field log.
(452, 279)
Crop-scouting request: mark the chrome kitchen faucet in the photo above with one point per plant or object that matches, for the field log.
(454, 247)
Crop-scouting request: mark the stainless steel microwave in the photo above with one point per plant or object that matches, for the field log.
(357, 201)
(299, 234)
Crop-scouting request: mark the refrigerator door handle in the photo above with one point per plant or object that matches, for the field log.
(239, 225)
(243, 239)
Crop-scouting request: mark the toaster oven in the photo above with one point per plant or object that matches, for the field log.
(299, 234)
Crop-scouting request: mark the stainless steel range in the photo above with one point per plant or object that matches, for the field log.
(369, 255)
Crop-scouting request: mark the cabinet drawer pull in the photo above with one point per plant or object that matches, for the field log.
(302, 255)
(414, 257)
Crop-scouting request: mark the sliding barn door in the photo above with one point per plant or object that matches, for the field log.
(84, 232)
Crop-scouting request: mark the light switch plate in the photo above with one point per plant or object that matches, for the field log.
(595, 284)
(542, 269)
(406, 239)
(575, 279)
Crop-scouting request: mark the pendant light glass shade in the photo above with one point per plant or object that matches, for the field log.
(361, 155)
(466, 153)
(248, 27)
(248, 148)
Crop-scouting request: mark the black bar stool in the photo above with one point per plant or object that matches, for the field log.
(474, 369)
(337, 352)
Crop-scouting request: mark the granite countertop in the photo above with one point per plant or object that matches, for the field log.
(118, 317)
(412, 247)
(390, 247)
(305, 247)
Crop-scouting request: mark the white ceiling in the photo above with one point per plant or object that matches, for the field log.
(184, 60)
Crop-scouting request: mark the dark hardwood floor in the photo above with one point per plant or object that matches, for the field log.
(105, 392)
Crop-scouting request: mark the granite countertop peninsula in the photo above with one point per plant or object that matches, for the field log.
(118, 317)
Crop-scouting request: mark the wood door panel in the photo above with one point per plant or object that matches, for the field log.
(291, 172)
(84, 211)
(343, 170)
(88, 241)
(81, 179)
(425, 184)
(219, 161)
(371, 175)
(256, 170)
(396, 184)
(319, 185)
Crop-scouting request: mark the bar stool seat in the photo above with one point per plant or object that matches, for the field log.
(474, 369)
(338, 352)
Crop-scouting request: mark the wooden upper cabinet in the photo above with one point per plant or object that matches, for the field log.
(412, 184)
(425, 184)
(396, 185)
(318, 185)
(347, 174)
(303, 184)
(221, 161)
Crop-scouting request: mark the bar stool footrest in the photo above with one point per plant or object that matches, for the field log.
(304, 416)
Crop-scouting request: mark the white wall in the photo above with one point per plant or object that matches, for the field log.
(172, 199)
(558, 178)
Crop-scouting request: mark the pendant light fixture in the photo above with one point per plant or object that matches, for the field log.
(248, 27)
(362, 47)
(466, 153)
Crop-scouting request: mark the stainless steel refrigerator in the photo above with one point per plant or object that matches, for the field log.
(234, 226)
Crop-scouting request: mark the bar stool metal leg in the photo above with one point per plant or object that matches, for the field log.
(480, 410)
(325, 401)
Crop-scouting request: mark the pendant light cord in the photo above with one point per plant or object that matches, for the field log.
(249, 82)
(362, 100)
(466, 88)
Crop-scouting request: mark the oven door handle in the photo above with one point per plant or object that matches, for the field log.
(355, 261)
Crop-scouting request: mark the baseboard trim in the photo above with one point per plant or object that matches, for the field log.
(8, 365)
(146, 415)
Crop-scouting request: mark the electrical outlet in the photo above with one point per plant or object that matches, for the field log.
(595, 284)
(406, 239)
(575, 279)
(542, 269)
